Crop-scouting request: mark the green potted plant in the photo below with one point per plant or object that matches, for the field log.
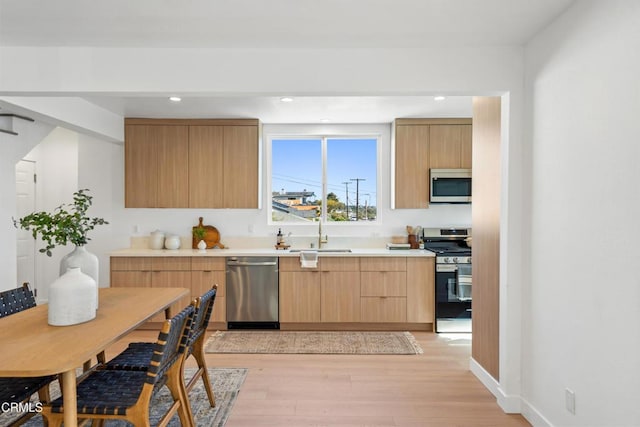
(199, 234)
(68, 223)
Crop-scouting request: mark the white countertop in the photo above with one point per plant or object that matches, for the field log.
(368, 252)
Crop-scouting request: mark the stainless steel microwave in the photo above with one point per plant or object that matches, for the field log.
(450, 186)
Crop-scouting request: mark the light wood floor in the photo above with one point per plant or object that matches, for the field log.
(432, 389)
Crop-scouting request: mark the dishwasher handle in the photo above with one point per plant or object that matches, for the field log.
(244, 263)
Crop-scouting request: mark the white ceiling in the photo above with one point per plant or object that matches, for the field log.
(278, 23)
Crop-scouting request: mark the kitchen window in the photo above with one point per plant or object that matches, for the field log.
(328, 178)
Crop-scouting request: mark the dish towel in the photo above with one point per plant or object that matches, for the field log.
(309, 259)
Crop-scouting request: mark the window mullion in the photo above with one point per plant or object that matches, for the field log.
(323, 215)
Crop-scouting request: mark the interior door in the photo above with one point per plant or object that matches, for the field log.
(25, 204)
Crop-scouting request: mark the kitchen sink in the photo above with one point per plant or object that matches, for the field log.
(322, 250)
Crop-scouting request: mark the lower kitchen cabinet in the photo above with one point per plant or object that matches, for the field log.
(420, 290)
(340, 289)
(383, 290)
(340, 296)
(205, 272)
(300, 296)
(347, 291)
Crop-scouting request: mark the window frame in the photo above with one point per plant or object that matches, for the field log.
(323, 137)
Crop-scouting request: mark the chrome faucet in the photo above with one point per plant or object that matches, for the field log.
(320, 239)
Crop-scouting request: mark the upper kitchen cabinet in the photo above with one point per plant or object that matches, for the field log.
(191, 163)
(156, 174)
(450, 146)
(412, 165)
(422, 144)
(241, 166)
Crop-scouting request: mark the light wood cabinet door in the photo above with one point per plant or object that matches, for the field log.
(449, 146)
(412, 166)
(299, 297)
(201, 282)
(156, 166)
(340, 296)
(140, 166)
(420, 290)
(240, 167)
(206, 167)
(384, 309)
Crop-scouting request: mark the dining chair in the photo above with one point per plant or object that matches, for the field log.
(20, 389)
(136, 356)
(16, 300)
(126, 395)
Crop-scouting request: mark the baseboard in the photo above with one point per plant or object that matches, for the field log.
(534, 417)
(509, 404)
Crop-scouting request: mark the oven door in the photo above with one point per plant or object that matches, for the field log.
(453, 298)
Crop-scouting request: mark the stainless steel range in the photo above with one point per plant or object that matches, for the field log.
(453, 277)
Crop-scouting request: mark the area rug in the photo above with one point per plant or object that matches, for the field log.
(226, 383)
(341, 342)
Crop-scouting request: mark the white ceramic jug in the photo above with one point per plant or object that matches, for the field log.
(156, 240)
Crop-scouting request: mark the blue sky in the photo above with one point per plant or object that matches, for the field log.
(297, 165)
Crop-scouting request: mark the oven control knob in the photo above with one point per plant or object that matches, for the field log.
(447, 260)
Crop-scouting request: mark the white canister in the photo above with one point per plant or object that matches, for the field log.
(172, 242)
(72, 298)
(156, 241)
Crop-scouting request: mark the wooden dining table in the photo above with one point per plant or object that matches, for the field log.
(30, 347)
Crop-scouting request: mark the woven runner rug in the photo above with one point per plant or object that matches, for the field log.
(294, 342)
(226, 383)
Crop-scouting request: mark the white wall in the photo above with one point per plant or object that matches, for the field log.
(582, 303)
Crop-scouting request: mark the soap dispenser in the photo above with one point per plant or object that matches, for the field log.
(279, 237)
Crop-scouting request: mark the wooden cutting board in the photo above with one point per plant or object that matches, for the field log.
(211, 237)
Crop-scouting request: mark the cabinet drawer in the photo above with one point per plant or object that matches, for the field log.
(339, 264)
(293, 264)
(171, 264)
(383, 283)
(208, 264)
(383, 309)
(383, 264)
(131, 263)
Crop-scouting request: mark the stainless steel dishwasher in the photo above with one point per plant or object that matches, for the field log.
(252, 293)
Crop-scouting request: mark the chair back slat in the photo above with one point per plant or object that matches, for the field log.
(171, 343)
(204, 307)
(16, 300)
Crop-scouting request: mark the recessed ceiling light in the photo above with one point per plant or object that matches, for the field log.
(324, 120)
(439, 98)
(286, 99)
(175, 98)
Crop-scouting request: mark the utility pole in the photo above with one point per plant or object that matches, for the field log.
(366, 207)
(346, 186)
(357, 180)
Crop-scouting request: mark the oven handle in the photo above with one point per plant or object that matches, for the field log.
(446, 268)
